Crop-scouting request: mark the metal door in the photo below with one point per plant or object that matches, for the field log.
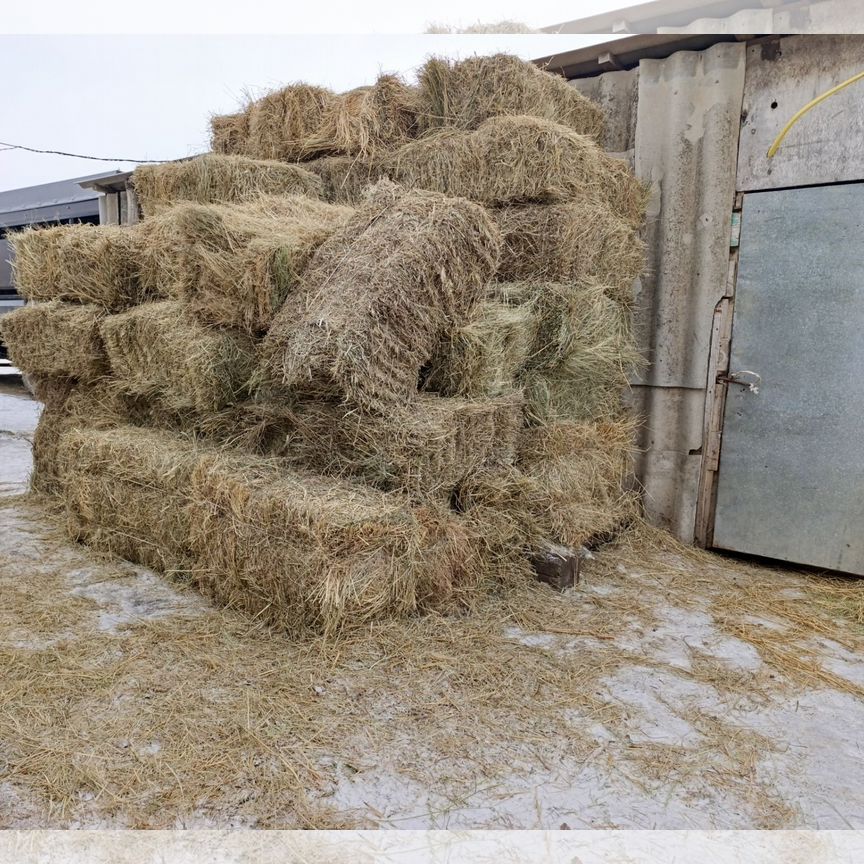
(790, 483)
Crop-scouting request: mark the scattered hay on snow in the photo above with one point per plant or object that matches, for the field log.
(56, 339)
(216, 178)
(464, 93)
(303, 552)
(160, 351)
(234, 265)
(82, 263)
(378, 297)
(519, 160)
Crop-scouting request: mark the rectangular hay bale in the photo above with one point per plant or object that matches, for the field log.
(56, 339)
(378, 297)
(216, 178)
(160, 351)
(465, 93)
(303, 552)
(80, 263)
(424, 450)
(234, 265)
(126, 492)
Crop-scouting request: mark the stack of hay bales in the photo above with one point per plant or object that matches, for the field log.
(364, 359)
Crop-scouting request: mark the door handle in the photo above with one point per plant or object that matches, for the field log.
(736, 378)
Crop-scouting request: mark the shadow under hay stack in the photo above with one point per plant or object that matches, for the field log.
(322, 414)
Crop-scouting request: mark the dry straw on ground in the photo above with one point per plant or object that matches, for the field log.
(465, 93)
(160, 351)
(56, 338)
(425, 449)
(518, 160)
(379, 295)
(367, 121)
(234, 265)
(126, 490)
(83, 263)
(215, 178)
(304, 552)
(569, 242)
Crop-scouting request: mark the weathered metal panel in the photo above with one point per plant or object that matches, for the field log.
(617, 94)
(792, 465)
(688, 117)
(824, 146)
(743, 21)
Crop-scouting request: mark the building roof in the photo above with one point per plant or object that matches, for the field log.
(625, 53)
(50, 202)
(648, 17)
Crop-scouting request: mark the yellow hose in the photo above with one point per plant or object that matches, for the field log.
(779, 139)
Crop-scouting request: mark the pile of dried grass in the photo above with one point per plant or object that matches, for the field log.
(79, 263)
(568, 487)
(366, 121)
(465, 93)
(276, 126)
(160, 351)
(56, 338)
(379, 295)
(126, 493)
(215, 178)
(234, 265)
(303, 552)
(569, 242)
(519, 160)
(425, 450)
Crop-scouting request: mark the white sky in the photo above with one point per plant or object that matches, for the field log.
(150, 96)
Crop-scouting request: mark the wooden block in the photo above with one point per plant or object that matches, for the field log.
(557, 566)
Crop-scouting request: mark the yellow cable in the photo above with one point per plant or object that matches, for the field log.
(779, 139)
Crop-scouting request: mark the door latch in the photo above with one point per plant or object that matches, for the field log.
(736, 378)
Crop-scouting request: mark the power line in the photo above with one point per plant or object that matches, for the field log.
(4, 145)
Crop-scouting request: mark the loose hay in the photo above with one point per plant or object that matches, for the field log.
(161, 352)
(56, 339)
(425, 450)
(228, 132)
(126, 491)
(82, 263)
(366, 121)
(379, 296)
(234, 265)
(465, 93)
(569, 242)
(303, 552)
(519, 160)
(216, 178)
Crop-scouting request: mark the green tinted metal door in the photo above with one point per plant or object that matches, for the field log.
(791, 477)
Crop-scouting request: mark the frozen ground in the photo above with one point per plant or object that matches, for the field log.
(664, 692)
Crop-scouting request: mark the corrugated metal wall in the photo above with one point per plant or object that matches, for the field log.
(684, 143)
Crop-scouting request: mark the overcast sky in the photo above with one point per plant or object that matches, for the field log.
(150, 96)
